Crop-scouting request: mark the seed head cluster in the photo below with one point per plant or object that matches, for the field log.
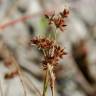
(52, 52)
(58, 20)
(42, 43)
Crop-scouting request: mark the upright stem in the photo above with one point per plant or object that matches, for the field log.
(53, 83)
(1, 90)
(55, 34)
(50, 68)
(45, 84)
(52, 77)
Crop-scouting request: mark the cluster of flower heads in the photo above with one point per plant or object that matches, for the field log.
(58, 20)
(52, 51)
(53, 58)
(42, 43)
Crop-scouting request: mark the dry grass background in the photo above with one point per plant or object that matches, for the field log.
(21, 19)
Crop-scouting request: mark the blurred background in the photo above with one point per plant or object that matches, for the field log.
(20, 20)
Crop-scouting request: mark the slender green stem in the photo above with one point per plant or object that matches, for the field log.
(45, 84)
(55, 34)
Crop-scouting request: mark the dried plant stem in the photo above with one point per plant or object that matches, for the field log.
(45, 84)
(21, 78)
(22, 18)
(50, 68)
(1, 90)
(15, 21)
(6, 54)
(23, 85)
(31, 84)
(49, 73)
(52, 79)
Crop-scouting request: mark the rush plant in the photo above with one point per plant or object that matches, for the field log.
(52, 51)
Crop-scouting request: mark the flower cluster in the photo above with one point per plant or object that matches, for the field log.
(44, 43)
(58, 21)
(52, 51)
(54, 57)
